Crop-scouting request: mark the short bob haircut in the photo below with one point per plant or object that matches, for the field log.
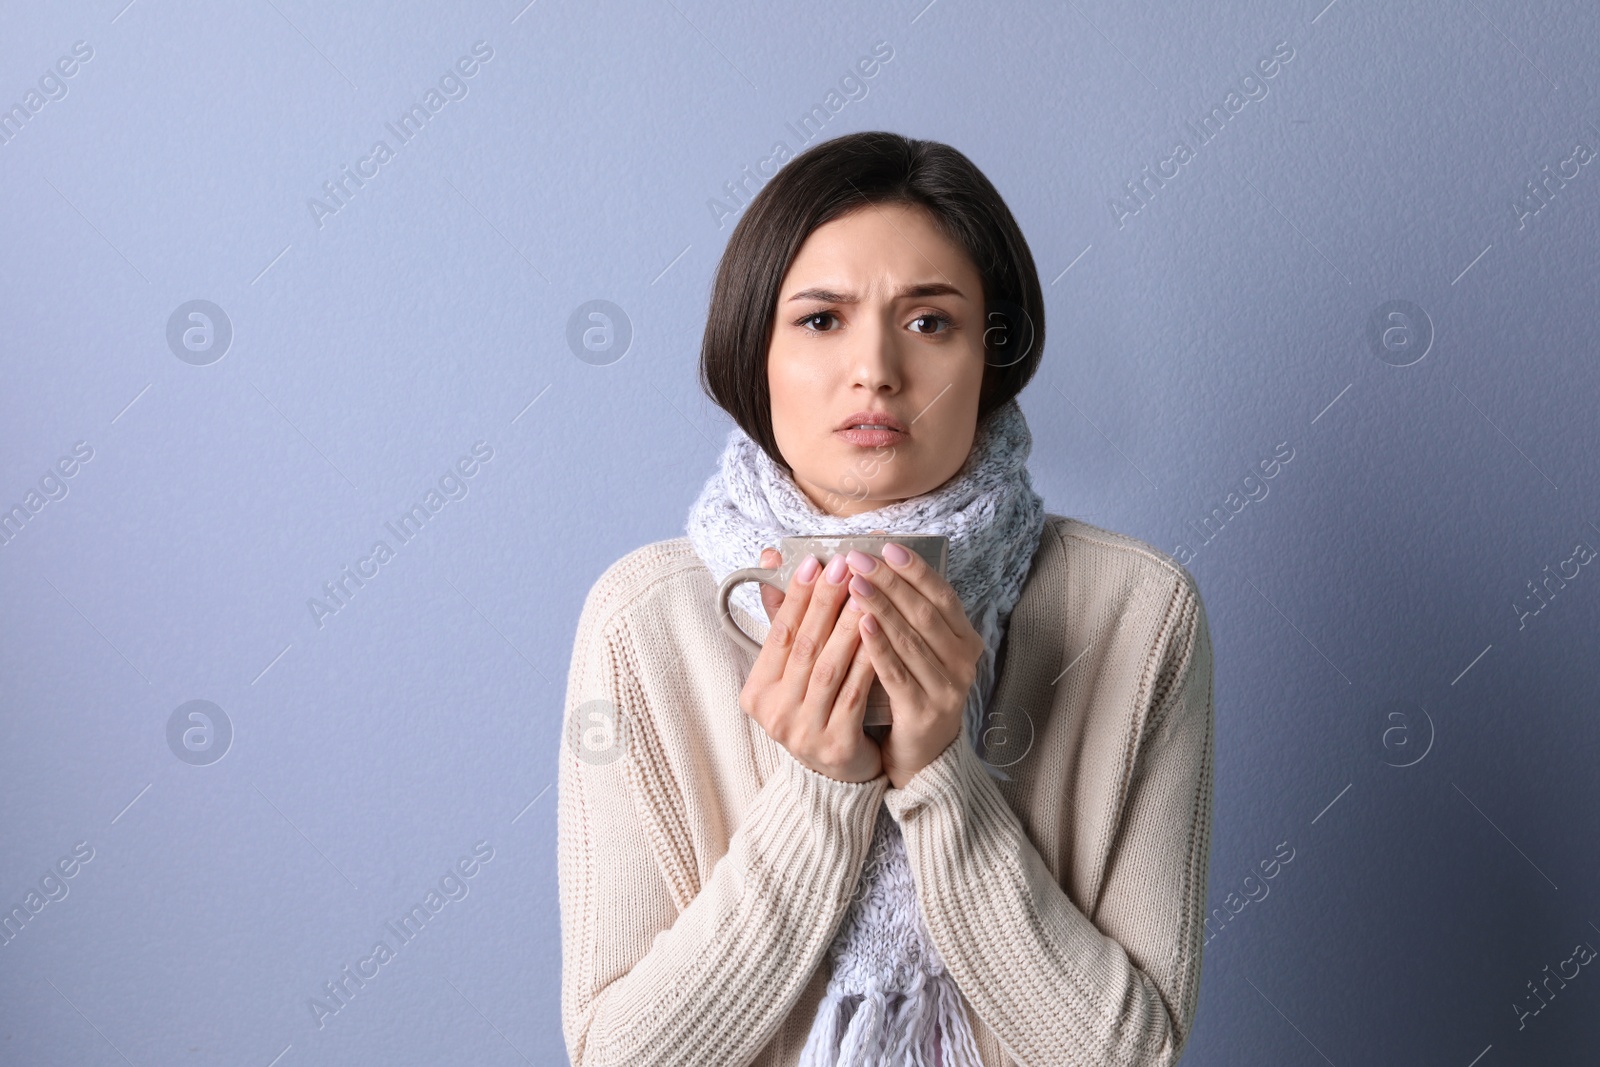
(832, 179)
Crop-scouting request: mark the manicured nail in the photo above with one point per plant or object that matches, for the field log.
(861, 561)
(860, 586)
(807, 571)
(895, 554)
(869, 624)
(836, 570)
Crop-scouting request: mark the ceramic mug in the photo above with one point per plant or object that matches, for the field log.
(933, 548)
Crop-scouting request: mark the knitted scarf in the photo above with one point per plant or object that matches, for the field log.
(890, 1001)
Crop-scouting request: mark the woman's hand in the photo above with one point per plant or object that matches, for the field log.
(808, 688)
(922, 647)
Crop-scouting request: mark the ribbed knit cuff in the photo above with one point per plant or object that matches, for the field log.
(807, 829)
(945, 779)
(952, 812)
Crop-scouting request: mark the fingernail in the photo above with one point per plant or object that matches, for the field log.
(807, 571)
(861, 561)
(860, 586)
(895, 554)
(836, 569)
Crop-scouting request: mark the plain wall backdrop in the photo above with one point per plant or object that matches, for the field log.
(230, 369)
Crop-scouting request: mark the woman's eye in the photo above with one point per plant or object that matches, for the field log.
(806, 322)
(941, 320)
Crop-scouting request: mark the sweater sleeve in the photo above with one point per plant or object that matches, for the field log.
(1057, 988)
(657, 969)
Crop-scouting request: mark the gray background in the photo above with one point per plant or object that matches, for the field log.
(1387, 706)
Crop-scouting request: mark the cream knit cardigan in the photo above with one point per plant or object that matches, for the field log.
(703, 870)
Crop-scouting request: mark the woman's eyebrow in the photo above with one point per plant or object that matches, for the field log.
(829, 296)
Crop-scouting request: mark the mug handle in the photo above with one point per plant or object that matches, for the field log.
(725, 592)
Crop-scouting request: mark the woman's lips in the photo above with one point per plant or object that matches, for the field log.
(872, 438)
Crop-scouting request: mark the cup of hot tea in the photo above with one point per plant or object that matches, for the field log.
(933, 548)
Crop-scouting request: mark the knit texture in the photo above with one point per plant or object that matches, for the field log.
(890, 1000)
(704, 872)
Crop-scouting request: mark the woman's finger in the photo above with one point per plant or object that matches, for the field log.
(902, 685)
(809, 638)
(859, 682)
(771, 597)
(929, 658)
(929, 584)
(835, 666)
(773, 659)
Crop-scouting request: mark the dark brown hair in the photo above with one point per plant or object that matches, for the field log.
(832, 179)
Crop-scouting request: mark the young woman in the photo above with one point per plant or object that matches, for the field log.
(1015, 872)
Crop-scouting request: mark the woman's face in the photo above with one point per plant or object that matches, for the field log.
(879, 319)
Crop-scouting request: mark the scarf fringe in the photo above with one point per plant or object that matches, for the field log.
(925, 1027)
